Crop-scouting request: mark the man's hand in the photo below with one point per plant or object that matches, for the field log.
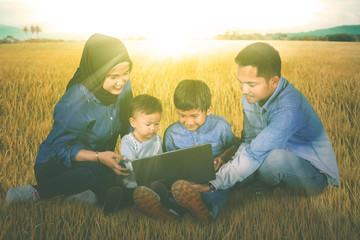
(218, 162)
(202, 187)
(110, 159)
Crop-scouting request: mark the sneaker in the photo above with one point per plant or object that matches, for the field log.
(87, 196)
(149, 202)
(164, 194)
(161, 189)
(112, 200)
(22, 193)
(188, 197)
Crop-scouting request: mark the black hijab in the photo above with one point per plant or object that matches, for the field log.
(101, 53)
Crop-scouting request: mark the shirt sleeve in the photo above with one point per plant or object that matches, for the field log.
(283, 123)
(230, 140)
(159, 142)
(169, 144)
(127, 148)
(67, 128)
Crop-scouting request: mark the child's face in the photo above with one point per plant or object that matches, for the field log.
(193, 119)
(145, 126)
(116, 78)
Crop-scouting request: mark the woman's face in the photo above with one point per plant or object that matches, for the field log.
(116, 78)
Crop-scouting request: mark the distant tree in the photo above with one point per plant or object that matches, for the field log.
(25, 29)
(342, 38)
(9, 39)
(32, 30)
(37, 30)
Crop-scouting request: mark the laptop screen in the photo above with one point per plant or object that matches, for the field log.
(195, 164)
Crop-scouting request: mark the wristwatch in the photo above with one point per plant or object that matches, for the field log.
(212, 188)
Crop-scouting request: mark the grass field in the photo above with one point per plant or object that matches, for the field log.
(33, 78)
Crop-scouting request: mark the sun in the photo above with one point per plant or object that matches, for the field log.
(170, 46)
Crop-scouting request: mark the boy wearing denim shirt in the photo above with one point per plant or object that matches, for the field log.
(196, 125)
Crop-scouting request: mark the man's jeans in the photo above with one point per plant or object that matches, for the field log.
(215, 200)
(283, 168)
(54, 179)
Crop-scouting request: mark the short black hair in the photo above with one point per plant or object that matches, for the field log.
(262, 56)
(192, 94)
(144, 103)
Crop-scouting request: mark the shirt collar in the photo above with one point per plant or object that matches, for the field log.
(280, 86)
(89, 95)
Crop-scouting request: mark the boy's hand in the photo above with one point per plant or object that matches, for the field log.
(218, 162)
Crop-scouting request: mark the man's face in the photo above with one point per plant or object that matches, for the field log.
(193, 119)
(255, 88)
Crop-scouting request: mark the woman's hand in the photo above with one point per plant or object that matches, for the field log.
(110, 159)
(107, 158)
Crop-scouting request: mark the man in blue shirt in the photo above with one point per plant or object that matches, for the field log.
(284, 142)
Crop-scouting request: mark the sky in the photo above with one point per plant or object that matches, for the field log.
(178, 18)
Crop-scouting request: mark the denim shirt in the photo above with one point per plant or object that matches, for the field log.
(81, 122)
(286, 121)
(215, 130)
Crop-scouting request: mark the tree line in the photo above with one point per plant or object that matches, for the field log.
(33, 29)
(343, 37)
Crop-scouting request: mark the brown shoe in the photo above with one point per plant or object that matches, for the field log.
(188, 197)
(149, 202)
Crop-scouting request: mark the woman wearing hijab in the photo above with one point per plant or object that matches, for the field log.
(77, 156)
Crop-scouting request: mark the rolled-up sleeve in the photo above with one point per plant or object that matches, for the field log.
(67, 129)
(283, 123)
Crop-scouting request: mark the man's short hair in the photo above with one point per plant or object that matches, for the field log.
(192, 94)
(144, 103)
(263, 56)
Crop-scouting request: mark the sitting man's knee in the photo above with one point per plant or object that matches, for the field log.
(275, 159)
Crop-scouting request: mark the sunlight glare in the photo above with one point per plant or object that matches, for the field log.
(170, 46)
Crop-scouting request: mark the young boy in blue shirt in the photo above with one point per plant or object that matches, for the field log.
(196, 125)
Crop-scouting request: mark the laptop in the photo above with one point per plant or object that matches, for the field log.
(195, 164)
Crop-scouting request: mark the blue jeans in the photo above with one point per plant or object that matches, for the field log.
(54, 179)
(283, 168)
(214, 201)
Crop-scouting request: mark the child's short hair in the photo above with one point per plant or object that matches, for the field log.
(144, 103)
(192, 94)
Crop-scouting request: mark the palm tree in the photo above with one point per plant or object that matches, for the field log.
(32, 30)
(37, 30)
(25, 29)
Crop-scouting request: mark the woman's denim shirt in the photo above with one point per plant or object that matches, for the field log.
(286, 121)
(81, 122)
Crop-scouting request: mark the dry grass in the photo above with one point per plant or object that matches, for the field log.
(34, 76)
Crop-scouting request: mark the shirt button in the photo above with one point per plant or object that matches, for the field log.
(111, 118)
(112, 133)
(195, 132)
